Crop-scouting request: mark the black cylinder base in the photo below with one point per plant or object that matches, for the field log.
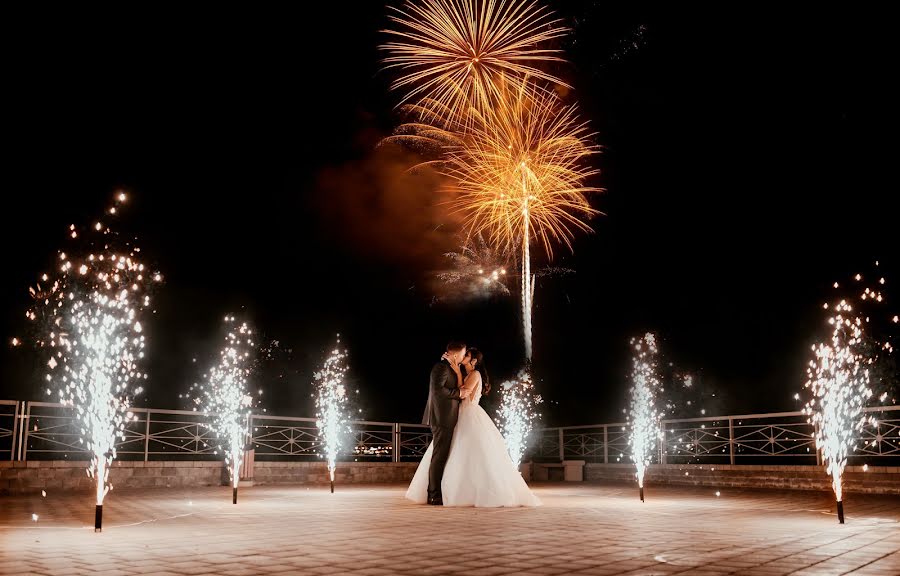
(98, 518)
(642, 493)
(840, 508)
(234, 495)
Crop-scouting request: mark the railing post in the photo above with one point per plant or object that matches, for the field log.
(398, 428)
(662, 442)
(731, 439)
(26, 423)
(562, 446)
(14, 439)
(605, 444)
(147, 436)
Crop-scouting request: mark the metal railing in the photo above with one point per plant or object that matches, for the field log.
(50, 431)
(783, 437)
(44, 430)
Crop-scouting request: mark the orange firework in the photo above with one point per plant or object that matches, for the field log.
(520, 171)
(455, 53)
(520, 174)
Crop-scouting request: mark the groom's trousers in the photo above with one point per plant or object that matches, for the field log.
(441, 437)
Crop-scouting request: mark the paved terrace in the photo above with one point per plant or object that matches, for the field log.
(584, 529)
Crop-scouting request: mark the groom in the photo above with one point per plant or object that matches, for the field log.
(441, 413)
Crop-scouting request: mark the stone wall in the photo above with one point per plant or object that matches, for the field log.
(875, 480)
(34, 476)
(345, 473)
(37, 475)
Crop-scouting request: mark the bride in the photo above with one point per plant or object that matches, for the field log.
(479, 471)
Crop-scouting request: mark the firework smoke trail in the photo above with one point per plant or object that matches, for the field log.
(517, 414)
(644, 416)
(332, 415)
(89, 321)
(224, 395)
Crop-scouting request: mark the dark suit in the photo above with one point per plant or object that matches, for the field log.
(441, 414)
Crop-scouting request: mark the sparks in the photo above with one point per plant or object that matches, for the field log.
(517, 414)
(456, 54)
(87, 316)
(332, 414)
(224, 395)
(644, 416)
(839, 384)
(519, 176)
(479, 271)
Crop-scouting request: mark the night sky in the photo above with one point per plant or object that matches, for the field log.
(749, 161)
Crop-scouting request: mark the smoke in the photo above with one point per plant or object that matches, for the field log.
(388, 206)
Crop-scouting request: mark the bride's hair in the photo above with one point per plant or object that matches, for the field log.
(479, 366)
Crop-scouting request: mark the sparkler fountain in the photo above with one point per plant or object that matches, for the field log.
(517, 414)
(838, 378)
(332, 416)
(643, 417)
(89, 315)
(225, 397)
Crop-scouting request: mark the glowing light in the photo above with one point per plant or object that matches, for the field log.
(839, 384)
(517, 414)
(224, 394)
(87, 320)
(519, 175)
(34, 517)
(332, 414)
(469, 265)
(643, 415)
(456, 54)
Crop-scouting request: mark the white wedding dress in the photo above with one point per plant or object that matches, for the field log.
(479, 471)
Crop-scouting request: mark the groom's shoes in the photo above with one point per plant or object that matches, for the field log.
(435, 502)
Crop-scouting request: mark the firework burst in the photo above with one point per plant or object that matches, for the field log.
(644, 415)
(519, 176)
(88, 314)
(517, 414)
(453, 55)
(479, 271)
(332, 414)
(225, 396)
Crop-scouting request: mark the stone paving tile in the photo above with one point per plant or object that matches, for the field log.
(586, 529)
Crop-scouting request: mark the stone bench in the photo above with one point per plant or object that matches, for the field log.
(568, 470)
